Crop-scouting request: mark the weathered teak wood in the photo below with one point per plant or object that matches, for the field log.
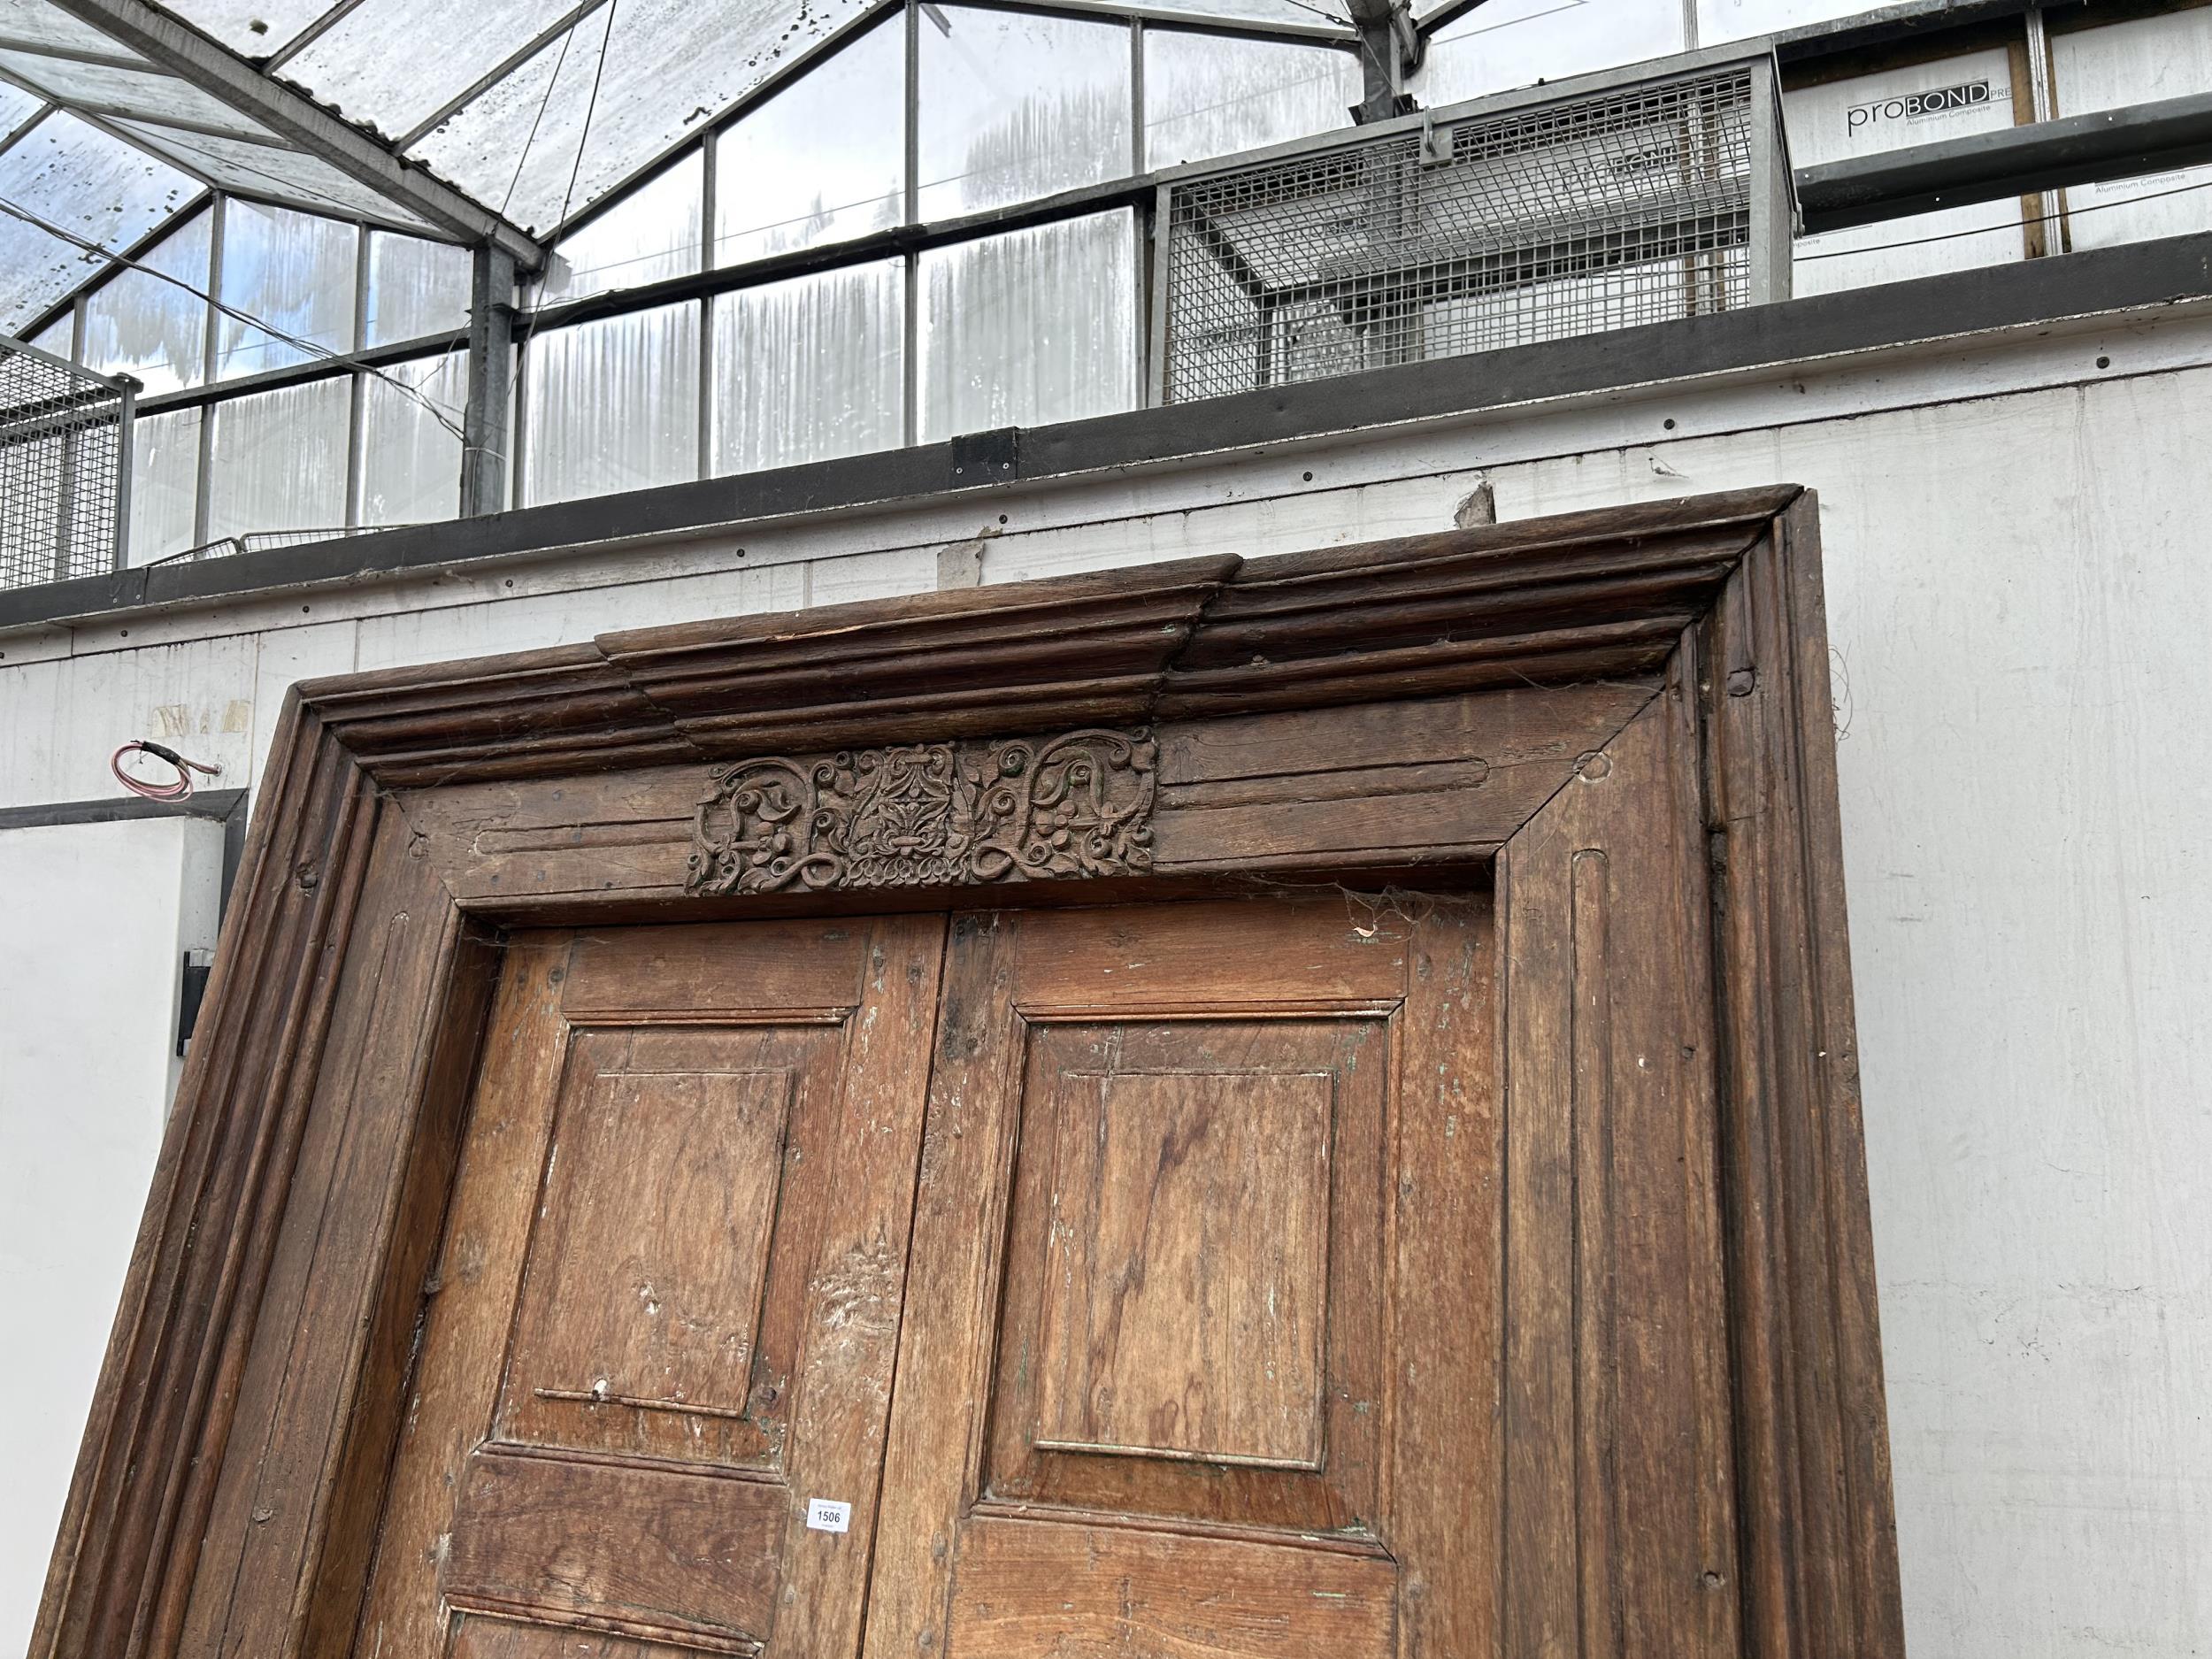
(1623, 715)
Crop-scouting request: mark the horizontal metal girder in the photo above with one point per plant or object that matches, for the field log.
(300, 121)
(2122, 143)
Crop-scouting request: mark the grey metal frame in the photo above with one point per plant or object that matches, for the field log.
(189, 56)
(125, 390)
(1772, 202)
(492, 454)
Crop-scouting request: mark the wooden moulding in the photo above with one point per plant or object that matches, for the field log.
(1624, 714)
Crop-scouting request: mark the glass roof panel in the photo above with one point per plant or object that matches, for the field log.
(87, 184)
(1016, 105)
(148, 328)
(122, 91)
(1206, 96)
(1317, 12)
(671, 66)
(36, 270)
(1519, 42)
(393, 64)
(650, 234)
(16, 107)
(253, 28)
(41, 24)
(1719, 20)
(821, 158)
(284, 175)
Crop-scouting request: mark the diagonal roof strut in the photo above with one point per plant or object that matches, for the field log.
(190, 55)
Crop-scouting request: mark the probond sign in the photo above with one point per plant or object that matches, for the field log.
(1914, 106)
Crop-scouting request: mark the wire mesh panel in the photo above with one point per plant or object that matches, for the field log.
(1633, 204)
(262, 541)
(62, 467)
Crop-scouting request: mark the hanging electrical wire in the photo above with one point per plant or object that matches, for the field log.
(310, 348)
(591, 108)
(178, 788)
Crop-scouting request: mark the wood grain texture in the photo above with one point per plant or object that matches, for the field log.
(454, 1387)
(1033, 1588)
(1187, 1266)
(664, 1549)
(678, 1244)
(674, 1175)
(1430, 701)
(1619, 1515)
(478, 1637)
(1375, 783)
(1315, 1210)
(1180, 1123)
(1447, 1339)
(1821, 1554)
(1586, 596)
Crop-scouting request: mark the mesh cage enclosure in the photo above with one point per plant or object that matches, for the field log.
(1630, 204)
(62, 440)
(262, 541)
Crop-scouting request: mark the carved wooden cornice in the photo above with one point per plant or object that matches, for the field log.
(1546, 602)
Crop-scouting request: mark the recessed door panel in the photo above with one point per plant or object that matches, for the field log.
(1163, 1399)
(665, 1315)
(1186, 1246)
(1190, 1327)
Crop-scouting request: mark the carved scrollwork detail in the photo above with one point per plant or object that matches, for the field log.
(928, 815)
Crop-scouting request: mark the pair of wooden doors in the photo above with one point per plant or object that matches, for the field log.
(1105, 1281)
(1215, 1280)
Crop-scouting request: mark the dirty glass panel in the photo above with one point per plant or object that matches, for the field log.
(146, 325)
(416, 287)
(17, 106)
(165, 482)
(823, 159)
(1866, 115)
(2109, 68)
(1510, 43)
(612, 405)
(394, 63)
(411, 440)
(1719, 20)
(239, 164)
(1015, 107)
(126, 91)
(1261, 11)
(79, 180)
(1207, 96)
(279, 460)
(252, 29)
(36, 270)
(671, 66)
(294, 272)
(42, 25)
(59, 336)
(652, 233)
(1033, 326)
(848, 328)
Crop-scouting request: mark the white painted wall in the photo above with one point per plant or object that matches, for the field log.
(98, 919)
(2019, 608)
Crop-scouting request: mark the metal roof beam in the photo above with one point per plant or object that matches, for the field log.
(1390, 50)
(2128, 142)
(220, 73)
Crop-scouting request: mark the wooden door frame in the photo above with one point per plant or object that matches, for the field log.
(1647, 682)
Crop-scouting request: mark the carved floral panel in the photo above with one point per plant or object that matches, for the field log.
(929, 815)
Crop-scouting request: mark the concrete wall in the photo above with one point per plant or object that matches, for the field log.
(2019, 616)
(99, 917)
